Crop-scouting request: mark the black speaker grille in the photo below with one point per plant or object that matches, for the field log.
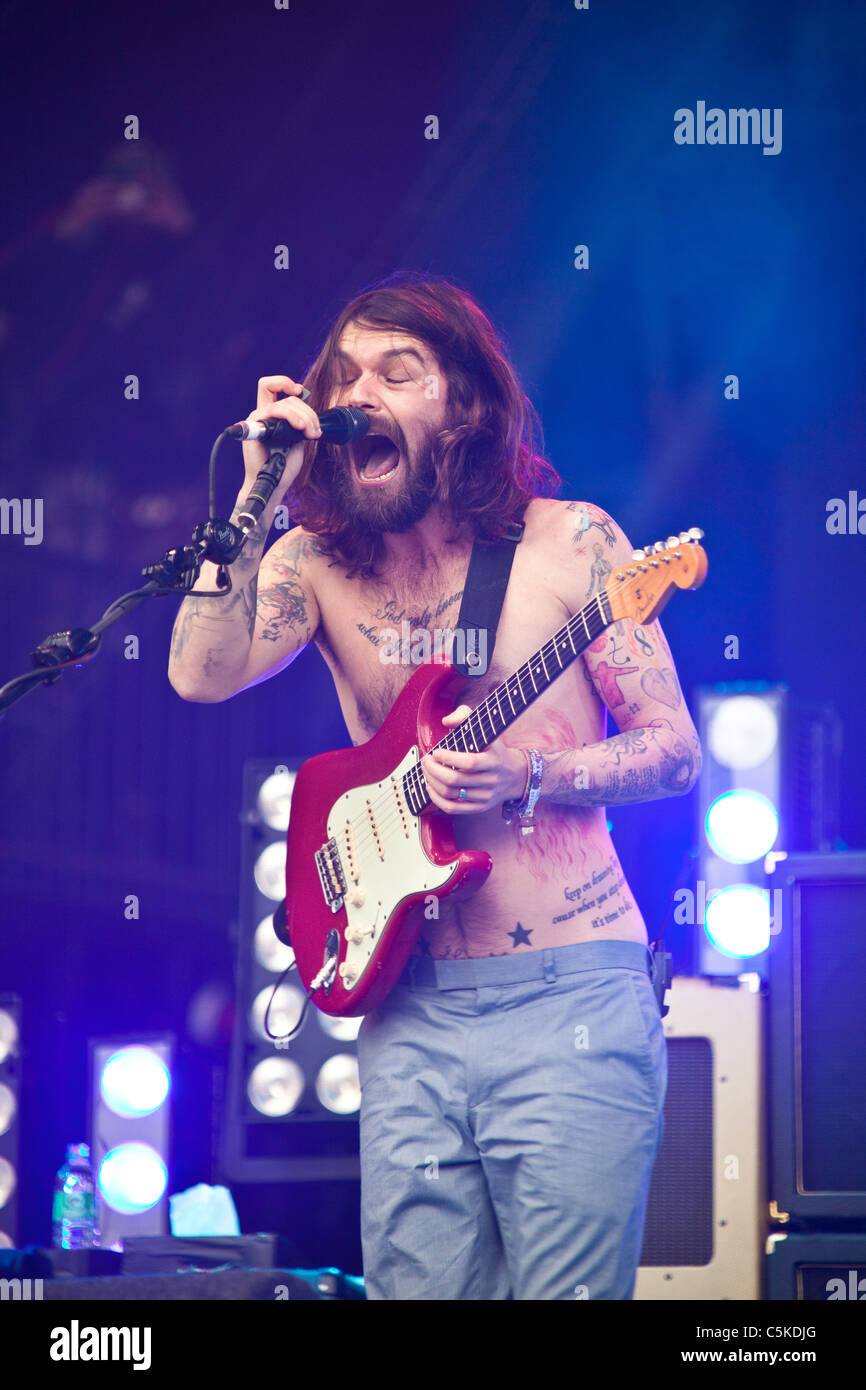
(679, 1219)
(833, 1037)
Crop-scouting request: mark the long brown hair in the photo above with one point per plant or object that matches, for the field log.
(485, 459)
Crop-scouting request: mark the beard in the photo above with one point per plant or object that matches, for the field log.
(393, 507)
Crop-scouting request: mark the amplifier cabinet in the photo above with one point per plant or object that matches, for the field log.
(706, 1214)
(817, 1039)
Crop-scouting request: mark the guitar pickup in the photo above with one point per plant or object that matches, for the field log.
(331, 875)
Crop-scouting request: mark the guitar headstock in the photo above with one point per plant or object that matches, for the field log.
(641, 589)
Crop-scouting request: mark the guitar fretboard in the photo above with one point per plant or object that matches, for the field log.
(507, 702)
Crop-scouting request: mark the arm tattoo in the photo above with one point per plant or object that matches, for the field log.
(281, 606)
(283, 603)
(637, 765)
(588, 515)
(214, 614)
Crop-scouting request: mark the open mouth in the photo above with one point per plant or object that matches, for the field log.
(376, 458)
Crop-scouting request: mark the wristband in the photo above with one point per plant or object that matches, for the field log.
(524, 808)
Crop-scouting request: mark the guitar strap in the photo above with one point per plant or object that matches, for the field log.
(486, 581)
(484, 593)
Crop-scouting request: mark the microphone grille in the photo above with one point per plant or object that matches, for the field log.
(344, 423)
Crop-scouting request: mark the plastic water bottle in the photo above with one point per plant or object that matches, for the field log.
(74, 1223)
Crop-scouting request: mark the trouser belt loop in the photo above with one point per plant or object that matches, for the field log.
(549, 967)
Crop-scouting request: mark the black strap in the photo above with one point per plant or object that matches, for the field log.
(486, 581)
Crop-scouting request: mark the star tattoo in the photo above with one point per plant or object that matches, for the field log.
(521, 936)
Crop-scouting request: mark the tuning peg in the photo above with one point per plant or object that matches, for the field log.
(673, 542)
(684, 537)
(638, 554)
(659, 545)
(696, 533)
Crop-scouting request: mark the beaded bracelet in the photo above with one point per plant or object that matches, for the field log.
(524, 808)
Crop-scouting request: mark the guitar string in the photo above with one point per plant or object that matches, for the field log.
(490, 709)
(389, 816)
(385, 810)
(414, 775)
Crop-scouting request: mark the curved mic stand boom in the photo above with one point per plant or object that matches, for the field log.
(215, 539)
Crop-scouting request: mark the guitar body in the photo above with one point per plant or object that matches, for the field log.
(368, 854)
(393, 862)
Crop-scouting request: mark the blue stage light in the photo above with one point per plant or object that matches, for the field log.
(135, 1081)
(743, 731)
(132, 1178)
(741, 826)
(738, 920)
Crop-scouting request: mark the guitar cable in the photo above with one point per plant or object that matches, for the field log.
(322, 978)
(284, 1037)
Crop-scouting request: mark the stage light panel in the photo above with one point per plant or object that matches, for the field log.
(270, 871)
(337, 1084)
(741, 826)
(275, 799)
(132, 1178)
(742, 732)
(275, 1086)
(270, 952)
(738, 920)
(135, 1081)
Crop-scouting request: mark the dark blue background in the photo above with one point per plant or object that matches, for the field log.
(306, 127)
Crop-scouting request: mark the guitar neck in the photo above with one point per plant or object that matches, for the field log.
(507, 702)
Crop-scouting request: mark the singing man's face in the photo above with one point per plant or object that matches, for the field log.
(387, 479)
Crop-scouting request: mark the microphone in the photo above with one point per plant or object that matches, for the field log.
(340, 426)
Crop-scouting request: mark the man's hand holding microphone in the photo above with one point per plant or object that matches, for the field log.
(270, 407)
(211, 641)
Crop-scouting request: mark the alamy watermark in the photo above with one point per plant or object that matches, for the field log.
(690, 907)
(22, 516)
(846, 517)
(736, 126)
(77, 1343)
(411, 646)
(20, 1290)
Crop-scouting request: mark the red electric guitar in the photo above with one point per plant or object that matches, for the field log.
(367, 849)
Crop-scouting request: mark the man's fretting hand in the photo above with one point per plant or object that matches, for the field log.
(489, 778)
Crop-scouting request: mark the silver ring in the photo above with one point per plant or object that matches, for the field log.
(463, 794)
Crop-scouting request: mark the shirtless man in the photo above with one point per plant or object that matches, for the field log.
(513, 1082)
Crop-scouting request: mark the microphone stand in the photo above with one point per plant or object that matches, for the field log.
(215, 539)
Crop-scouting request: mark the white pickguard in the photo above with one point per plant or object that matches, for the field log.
(383, 861)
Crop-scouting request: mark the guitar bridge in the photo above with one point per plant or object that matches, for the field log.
(331, 875)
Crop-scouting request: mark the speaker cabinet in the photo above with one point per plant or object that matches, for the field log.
(705, 1222)
(819, 1267)
(817, 1036)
